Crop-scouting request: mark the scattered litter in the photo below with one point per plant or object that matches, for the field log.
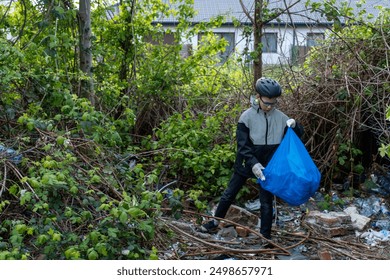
(295, 254)
(384, 209)
(359, 222)
(228, 233)
(379, 184)
(304, 232)
(330, 223)
(373, 237)
(253, 205)
(225, 258)
(10, 154)
(369, 206)
(382, 224)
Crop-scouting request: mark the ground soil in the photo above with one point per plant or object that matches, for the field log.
(292, 238)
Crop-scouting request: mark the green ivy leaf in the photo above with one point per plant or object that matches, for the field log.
(92, 254)
(123, 217)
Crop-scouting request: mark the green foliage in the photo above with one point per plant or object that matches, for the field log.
(77, 192)
(87, 187)
(384, 150)
(347, 155)
(325, 204)
(10, 76)
(353, 92)
(330, 203)
(56, 232)
(66, 198)
(198, 148)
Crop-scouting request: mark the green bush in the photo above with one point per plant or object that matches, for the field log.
(198, 149)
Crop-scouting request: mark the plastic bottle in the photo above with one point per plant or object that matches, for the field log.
(382, 224)
(10, 154)
(370, 206)
(376, 206)
(384, 209)
(335, 197)
(386, 234)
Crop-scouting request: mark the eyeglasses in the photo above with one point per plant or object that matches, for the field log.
(269, 104)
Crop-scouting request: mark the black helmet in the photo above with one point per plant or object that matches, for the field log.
(268, 88)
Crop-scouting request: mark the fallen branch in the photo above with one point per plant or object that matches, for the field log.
(237, 224)
(226, 249)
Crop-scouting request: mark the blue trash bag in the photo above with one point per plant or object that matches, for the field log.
(291, 173)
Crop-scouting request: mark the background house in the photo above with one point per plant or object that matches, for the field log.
(286, 39)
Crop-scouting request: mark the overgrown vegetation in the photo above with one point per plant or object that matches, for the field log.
(92, 180)
(342, 94)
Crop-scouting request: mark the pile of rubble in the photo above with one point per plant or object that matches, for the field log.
(351, 228)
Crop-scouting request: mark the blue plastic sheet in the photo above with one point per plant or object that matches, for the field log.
(291, 173)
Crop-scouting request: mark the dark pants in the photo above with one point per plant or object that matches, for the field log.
(266, 199)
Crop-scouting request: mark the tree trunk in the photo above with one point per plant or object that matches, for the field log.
(127, 69)
(87, 87)
(257, 34)
(127, 45)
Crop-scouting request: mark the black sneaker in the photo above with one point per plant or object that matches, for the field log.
(267, 245)
(209, 227)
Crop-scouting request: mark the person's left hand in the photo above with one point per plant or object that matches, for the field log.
(257, 169)
(290, 123)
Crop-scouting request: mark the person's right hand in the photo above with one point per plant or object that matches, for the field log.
(291, 123)
(257, 169)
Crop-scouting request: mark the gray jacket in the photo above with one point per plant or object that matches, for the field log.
(259, 133)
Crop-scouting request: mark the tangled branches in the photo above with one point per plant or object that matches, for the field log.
(286, 244)
(341, 97)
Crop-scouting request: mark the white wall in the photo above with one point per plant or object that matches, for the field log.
(286, 39)
(239, 40)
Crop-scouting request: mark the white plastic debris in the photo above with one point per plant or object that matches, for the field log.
(373, 237)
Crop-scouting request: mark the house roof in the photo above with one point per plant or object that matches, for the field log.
(299, 14)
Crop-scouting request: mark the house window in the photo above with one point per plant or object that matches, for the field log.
(229, 38)
(167, 39)
(269, 41)
(314, 39)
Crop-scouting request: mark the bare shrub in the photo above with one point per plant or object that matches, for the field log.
(341, 96)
